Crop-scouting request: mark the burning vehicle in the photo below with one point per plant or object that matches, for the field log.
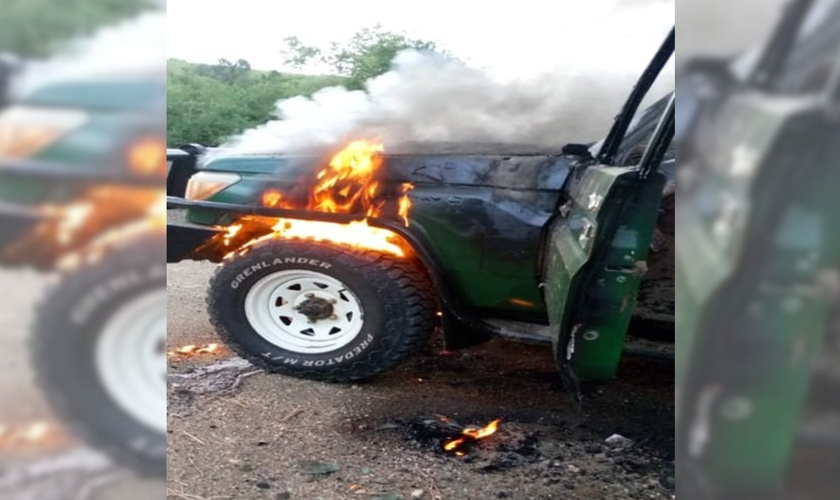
(81, 196)
(336, 266)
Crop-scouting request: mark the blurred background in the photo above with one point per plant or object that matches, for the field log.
(83, 314)
(758, 414)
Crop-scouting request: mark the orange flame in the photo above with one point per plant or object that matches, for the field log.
(230, 232)
(194, 350)
(271, 198)
(472, 434)
(348, 181)
(405, 202)
(356, 234)
(36, 433)
(85, 229)
(150, 219)
(69, 219)
(346, 185)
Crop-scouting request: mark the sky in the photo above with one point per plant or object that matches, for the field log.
(510, 39)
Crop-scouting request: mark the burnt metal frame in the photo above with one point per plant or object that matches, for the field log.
(607, 154)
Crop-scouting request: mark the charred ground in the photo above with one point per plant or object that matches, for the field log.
(274, 437)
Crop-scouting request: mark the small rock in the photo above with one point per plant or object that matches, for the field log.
(319, 468)
(283, 495)
(366, 471)
(418, 494)
(263, 485)
(386, 496)
(618, 440)
(573, 468)
(502, 494)
(246, 467)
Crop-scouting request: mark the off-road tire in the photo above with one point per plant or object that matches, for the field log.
(395, 293)
(63, 354)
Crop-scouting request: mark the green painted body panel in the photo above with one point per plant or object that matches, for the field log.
(116, 109)
(596, 258)
(753, 312)
(480, 279)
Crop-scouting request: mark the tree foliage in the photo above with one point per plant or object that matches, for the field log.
(33, 28)
(206, 103)
(368, 53)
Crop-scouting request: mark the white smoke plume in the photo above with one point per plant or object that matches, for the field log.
(137, 45)
(430, 98)
(426, 97)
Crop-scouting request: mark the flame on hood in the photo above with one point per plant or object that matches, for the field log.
(349, 184)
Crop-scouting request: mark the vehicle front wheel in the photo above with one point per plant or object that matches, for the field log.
(322, 312)
(99, 353)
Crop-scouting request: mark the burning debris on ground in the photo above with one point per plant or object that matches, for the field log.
(557, 456)
(383, 441)
(192, 350)
(495, 447)
(26, 437)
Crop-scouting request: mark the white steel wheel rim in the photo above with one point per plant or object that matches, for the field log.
(270, 307)
(131, 359)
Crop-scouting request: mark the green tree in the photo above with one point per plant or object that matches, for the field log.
(368, 53)
(33, 28)
(226, 71)
(207, 103)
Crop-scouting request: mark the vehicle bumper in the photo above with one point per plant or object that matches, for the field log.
(62, 172)
(15, 222)
(184, 238)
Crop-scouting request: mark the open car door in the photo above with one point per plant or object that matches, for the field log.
(596, 249)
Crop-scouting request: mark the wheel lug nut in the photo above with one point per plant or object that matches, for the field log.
(333, 301)
(309, 295)
(334, 316)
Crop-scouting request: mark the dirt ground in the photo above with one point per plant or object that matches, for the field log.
(273, 437)
(57, 467)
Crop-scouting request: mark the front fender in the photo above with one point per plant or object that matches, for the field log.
(186, 241)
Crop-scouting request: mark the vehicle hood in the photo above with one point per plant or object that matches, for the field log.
(112, 95)
(229, 161)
